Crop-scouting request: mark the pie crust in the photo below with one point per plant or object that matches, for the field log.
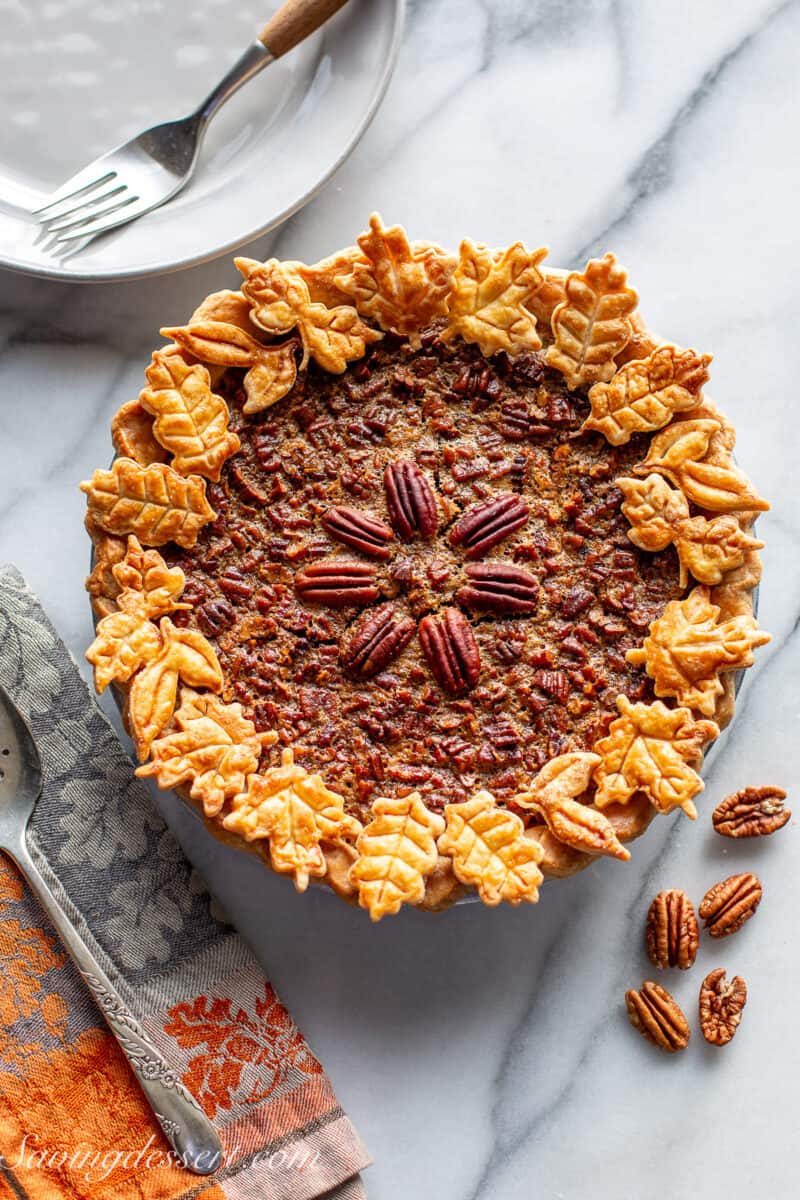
(511, 396)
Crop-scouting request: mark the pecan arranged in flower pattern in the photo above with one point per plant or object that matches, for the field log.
(361, 531)
(378, 637)
(487, 524)
(337, 582)
(446, 637)
(449, 645)
(410, 500)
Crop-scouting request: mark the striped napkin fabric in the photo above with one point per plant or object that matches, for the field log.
(73, 1122)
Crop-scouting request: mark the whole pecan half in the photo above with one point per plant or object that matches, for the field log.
(752, 812)
(337, 582)
(658, 1017)
(728, 904)
(499, 587)
(449, 645)
(488, 523)
(376, 640)
(359, 530)
(410, 500)
(672, 934)
(721, 1004)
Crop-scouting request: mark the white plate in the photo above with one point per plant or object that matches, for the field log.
(78, 76)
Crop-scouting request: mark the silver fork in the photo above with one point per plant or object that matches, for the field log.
(185, 1125)
(146, 171)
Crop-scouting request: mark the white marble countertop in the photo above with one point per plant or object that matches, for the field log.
(486, 1053)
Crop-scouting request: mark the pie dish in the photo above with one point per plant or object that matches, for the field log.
(421, 572)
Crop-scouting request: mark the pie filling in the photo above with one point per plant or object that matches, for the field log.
(420, 574)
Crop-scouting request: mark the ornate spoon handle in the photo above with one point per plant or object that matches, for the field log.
(185, 1125)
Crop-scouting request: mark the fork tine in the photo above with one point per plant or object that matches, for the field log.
(103, 222)
(84, 211)
(83, 182)
(86, 225)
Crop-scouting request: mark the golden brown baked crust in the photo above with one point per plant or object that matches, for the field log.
(686, 492)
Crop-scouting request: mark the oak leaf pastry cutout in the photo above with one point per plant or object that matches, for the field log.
(397, 851)
(490, 851)
(659, 516)
(400, 287)
(552, 794)
(191, 422)
(688, 646)
(645, 394)
(271, 370)
(592, 324)
(214, 748)
(127, 639)
(649, 748)
(296, 811)
(490, 290)
(155, 503)
(679, 453)
(185, 656)
(280, 302)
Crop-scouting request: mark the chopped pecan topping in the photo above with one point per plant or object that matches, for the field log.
(752, 812)
(672, 934)
(499, 587)
(377, 639)
(728, 904)
(411, 502)
(337, 582)
(358, 530)
(488, 523)
(451, 650)
(721, 1004)
(658, 1017)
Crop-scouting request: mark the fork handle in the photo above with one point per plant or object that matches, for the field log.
(185, 1125)
(294, 21)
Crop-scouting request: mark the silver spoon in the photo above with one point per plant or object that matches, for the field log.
(130, 180)
(185, 1125)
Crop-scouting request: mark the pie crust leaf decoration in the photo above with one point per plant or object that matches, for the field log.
(649, 748)
(488, 298)
(659, 516)
(280, 302)
(155, 503)
(399, 287)
(710, 549)
(397, 850)
(148, 586)
(185, 656)
(215, 749)
(592, 324)
(125, 641)
(645, 394)
(296, 811)
(490, 851)
(190, 420)
(552, 794)
(272, 370)
(688, 646)
(680, 451)
(132, 435)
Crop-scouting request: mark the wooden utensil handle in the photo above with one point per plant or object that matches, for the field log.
(294, 21)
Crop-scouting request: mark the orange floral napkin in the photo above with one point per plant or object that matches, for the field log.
(73, 1122)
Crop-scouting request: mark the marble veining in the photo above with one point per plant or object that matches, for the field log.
(485, 1055)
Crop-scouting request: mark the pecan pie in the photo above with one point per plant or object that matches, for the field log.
(422, 572)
